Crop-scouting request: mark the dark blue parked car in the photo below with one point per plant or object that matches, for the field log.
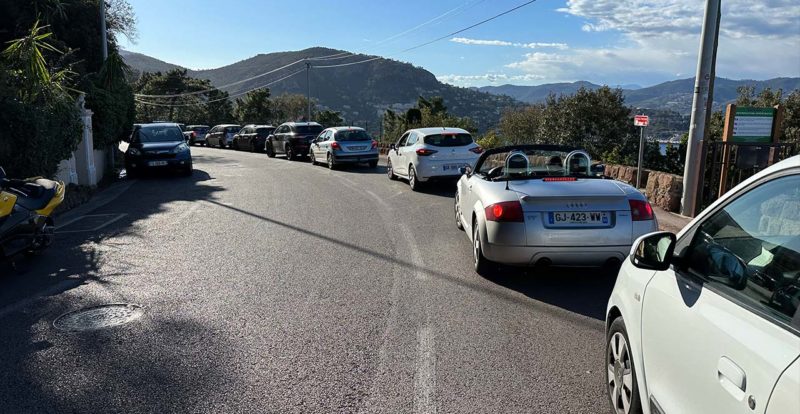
(157, 147)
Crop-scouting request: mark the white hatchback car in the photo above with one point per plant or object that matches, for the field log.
(707, 321)
(426, 154)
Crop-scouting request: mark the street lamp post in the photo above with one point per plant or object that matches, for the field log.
(308, 90)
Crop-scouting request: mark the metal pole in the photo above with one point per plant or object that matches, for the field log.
(103, 32)
(640, 165)
(701, 103)
(308, 91)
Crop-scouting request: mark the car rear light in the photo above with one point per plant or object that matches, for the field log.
(374, 144)
(425, 152)
(641, 210)
(550, 179)
(335, 145)
(194, 134)
(477, 150)
(506, 211)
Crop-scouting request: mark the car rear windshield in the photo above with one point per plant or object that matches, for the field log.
(264, 131)
(233, 129)
(201, 130)
(159, 133)
(308, 129)
(449, 140)
(353, 135)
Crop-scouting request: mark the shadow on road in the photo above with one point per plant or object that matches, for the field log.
(584, 291)
(75, 257)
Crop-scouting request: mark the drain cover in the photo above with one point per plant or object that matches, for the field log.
(98, 317)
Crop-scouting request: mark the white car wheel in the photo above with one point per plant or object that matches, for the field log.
(620, 376)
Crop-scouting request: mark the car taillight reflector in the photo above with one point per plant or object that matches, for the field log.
(551, 179)
(477, 150)
(335, 145)
(506, 211)
(641, 210)
(425, 152)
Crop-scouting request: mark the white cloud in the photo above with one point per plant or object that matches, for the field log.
(659, 38)
(479, 80)
(532, 45)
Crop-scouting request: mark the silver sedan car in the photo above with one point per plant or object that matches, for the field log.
(339, 146)
(532, 205)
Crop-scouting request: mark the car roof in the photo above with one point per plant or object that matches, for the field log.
(300, 123)
(439, 130)
(155, 124)
(347, 128)
(227, 125)
(262, 126)
(197, 126)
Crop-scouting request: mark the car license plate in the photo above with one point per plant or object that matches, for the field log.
(452, 167)
(579, 218)
(356, 148)
(157, 163)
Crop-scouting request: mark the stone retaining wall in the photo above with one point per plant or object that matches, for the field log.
(662, 189)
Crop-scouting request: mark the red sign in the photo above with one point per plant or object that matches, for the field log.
(641, 120)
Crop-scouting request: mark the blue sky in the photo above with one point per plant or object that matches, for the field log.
(604, 41)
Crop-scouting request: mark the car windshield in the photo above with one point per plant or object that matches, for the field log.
(449, 140)
(264, 131)
(233, 129)
(201, 130)
(308, 129)
(353, 135)
(159, 133)
(521, 163)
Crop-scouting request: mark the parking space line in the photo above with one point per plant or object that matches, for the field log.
(104, 224)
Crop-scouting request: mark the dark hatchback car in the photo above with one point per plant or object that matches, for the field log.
(157, 147)
(292, 139)
(252, 137)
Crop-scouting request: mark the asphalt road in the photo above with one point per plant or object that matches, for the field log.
(275, 286)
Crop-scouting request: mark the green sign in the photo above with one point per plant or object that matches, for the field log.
(753, 124)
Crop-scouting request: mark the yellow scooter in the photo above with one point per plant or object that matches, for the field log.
(25, 209)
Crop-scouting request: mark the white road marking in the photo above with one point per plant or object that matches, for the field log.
(186, 213)
(425, 378)
(105, 223)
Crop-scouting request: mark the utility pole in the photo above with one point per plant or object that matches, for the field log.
(640, 165)
(308, 90)
(103, 32)
(701, 107)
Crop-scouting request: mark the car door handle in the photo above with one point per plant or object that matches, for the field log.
(731, 377)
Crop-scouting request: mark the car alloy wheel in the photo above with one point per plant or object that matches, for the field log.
(289, 154)
(389, 170)
(331, 165)
(620, 374)
(458, 213)
(311, 157)
(270, 151)
(412, 178)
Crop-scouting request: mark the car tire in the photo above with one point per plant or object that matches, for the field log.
(311, 158)
(289, 154)
(413, 182)
(270, 151)
(187, 172)
(483, 266)
(331, 164)
(459, 225)
(390, 170)
(235, 145)
(373, 164)
(619, 361)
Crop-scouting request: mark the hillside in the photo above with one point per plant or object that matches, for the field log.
(673, 95)
(361, 92)
(143, 63)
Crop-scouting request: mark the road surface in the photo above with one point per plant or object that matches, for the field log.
(275, 286)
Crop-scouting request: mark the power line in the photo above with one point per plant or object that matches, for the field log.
(221, 99)
(178, 95)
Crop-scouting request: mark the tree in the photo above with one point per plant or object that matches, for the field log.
(290, 107)
(175, 96)
(428, 113)
(254, 108)
(328, 118)
(39, 122)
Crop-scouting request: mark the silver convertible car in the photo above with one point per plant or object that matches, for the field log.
(534, 205)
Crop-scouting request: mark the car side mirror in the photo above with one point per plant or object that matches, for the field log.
(465, 170)
(653, 251)
(392, 146)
